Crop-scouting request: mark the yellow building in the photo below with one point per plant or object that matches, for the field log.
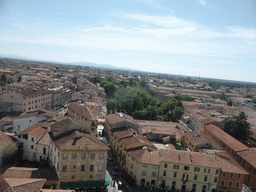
(80, 160)
(188, 171)
(143, 165)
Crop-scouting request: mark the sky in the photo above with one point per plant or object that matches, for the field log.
(205, 38)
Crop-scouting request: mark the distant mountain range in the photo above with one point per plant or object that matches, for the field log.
(88, 64)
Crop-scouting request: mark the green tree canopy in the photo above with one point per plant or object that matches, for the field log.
(4, 78)
(177, 113)
(238, 128)
(112, 105)
(110, 89)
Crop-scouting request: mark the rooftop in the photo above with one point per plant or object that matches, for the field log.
(230, 141)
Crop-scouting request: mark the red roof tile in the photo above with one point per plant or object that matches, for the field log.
(230, 141)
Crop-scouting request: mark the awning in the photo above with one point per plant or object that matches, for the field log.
(84, 184)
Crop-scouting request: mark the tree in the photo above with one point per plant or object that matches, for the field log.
(177, 113)
(110, 89)
(112, 105)
(254, 100)
(3, 78)
(19, 79)
(238, 128)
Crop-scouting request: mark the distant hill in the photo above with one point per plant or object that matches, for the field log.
(88, 64)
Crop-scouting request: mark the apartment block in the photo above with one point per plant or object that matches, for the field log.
(28, 99)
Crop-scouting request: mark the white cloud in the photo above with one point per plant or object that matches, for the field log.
(202, 2)
(166, 34)
(243, 32)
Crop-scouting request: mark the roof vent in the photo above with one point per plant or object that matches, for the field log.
(144, 147)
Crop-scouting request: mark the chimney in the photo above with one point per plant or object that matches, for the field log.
(77, 133)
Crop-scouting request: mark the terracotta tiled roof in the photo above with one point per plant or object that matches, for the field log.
(24, 172)
(21, 184)
(230, 141)
(249, 155)
(35, 130)
(199, 138)
(145, 156)
(6, 140)
(78, 140)
(31, 92)
(119, 117)
(90, 112)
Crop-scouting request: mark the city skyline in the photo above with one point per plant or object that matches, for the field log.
(194, 38)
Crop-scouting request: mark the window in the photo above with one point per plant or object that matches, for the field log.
(92, 155)
(231, 175)
(222, 183)
(250, 168)
(186, 168)
(174, 174)
(195, 177)
(207, 170)
(164, 173)
(73, 176)
(83, 155)
(176, 167)
(204, 188)
(101, 155)
(82, 168)
(91, 176)
(153, 174)
(32, 146)
(215, 179)
(73, 155)
(239, 176)
(243, 162)
(165, 165)
(64, 168)
(237, 184)
(173, 185)
(185, 177)
(65, 155)
(224, 174)
(91, 167)
(73, 169)
(194, 188)
(205, 178)
(197, 169)
(240, 159)
(230, 183)
(144, 165)
(217, 172)
(44, 150)
(144, 173)
(100, 167)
